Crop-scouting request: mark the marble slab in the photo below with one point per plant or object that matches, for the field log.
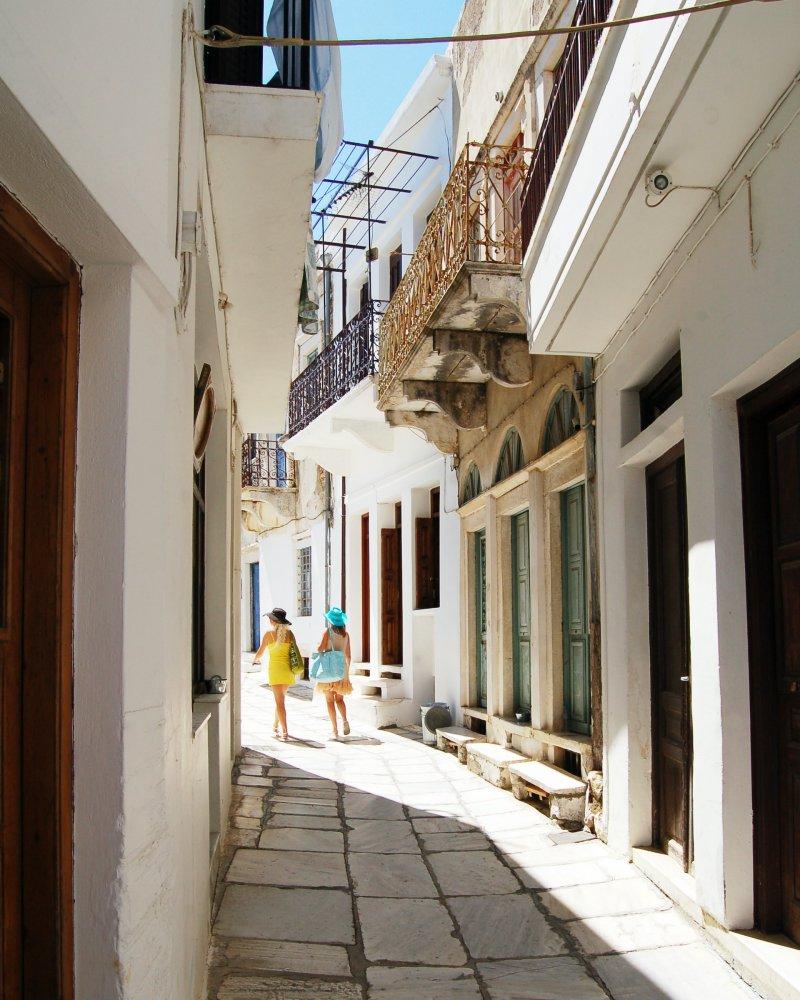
(633, 932)
(404, 983)
(472, 841)
(400, 876)
(359, 805)
(305, 808)
(280, 956)
(314, 822)
(243, 987)
(287, 839)
(315, 915)
(382, 837)
(687, 972)
(630, 895)
(300, 868)
(504, 927)
(543, 978)
(418, 931)
(472, 873)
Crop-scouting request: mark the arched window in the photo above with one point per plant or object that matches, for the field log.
(563, 421)
(511, 458)
(472, 485)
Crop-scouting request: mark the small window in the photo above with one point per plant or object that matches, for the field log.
(563, 421)
(512, 458)
(311, 356)
(663, 389)
(304, 581)
(363, 295)
(395, 269)
(472, 485)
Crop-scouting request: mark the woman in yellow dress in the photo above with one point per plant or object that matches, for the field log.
(278, 643)
(336, 637)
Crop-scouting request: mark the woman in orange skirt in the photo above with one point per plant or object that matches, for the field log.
(337, 637)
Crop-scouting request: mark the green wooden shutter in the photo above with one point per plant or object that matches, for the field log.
(521, 610)
(577, 690)
(480, 616)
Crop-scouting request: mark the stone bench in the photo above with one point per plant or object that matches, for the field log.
(491, 761)
(454, 739)
(564, 794)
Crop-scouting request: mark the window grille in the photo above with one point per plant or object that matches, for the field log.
(304, 581)
(472, 485)
(512, 458)
(563, 421)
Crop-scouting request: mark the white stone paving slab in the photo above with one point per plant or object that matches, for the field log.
(305, 808)
(504, 927)
(540, 979)
(440, 824)
(305, 822)
(689, 972)
(316, 915)
(580, 873)
(358, 805)
(281, 956)
(404, 983)
(472, 873)
(601, 935)
(253, 780)
(243, 987)
(630, 895)
(382, 837)
(409, 930)
(391, 876)
(302, 868)
(288, 839)
(472, 841)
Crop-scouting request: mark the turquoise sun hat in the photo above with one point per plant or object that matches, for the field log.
(336, 617)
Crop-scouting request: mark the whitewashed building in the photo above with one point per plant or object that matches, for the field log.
(661, 241)
(154, 207)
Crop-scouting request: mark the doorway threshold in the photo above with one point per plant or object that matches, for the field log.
(670, 878)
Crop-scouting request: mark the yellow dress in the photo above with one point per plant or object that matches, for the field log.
(278, 671)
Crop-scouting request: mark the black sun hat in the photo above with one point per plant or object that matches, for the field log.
(278, 615)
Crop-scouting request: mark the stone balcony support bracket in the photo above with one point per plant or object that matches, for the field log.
(439, 429)
(504, 357)
(463, 402)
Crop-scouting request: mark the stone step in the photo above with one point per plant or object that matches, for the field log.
(381, 713)
(491, 762)
(564, 794)
(454, 739)
(380, 687)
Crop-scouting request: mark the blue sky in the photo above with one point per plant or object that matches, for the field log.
(374, 80)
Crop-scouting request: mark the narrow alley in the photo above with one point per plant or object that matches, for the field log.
(380, 867)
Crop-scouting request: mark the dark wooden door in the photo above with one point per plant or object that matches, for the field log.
(365, 589)
(39, 296)
(255, 605)
(669, 656)
(575, 621)
(480, 617)
(391, 596)
(770, 433)
(521, 610)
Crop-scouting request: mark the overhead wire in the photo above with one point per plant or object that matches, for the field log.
(220, 37)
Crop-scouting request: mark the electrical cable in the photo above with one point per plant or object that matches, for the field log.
(220, 37)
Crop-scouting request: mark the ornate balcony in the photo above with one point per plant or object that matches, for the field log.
(349, 358)
(269, 483)
(457, 317)
(569, 79)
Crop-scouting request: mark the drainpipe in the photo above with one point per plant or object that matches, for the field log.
(596, 682)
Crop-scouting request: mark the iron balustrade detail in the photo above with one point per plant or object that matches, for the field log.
(351, 356)
(476, 221)
(567, 86)
(265, 465)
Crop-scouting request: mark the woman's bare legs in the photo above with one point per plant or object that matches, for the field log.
(279, 690)
(339, 698)
(330, 701)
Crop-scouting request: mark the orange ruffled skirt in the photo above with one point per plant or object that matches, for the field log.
(338, 687)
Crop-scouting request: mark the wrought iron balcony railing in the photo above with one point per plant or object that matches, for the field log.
(265, 465)
(349, 358)
(477, 220)
(567, 86)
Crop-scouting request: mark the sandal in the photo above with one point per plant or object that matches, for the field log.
(346, 728)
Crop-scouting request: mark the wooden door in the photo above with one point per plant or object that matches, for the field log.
(480, 617)
(577, 688)
(391, 596)
(770, 423)
(669, 656)
(521, 610)
(365, 589)
(39, 296)
(255, 606)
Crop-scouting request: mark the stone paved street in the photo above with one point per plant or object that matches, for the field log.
(378, 867)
